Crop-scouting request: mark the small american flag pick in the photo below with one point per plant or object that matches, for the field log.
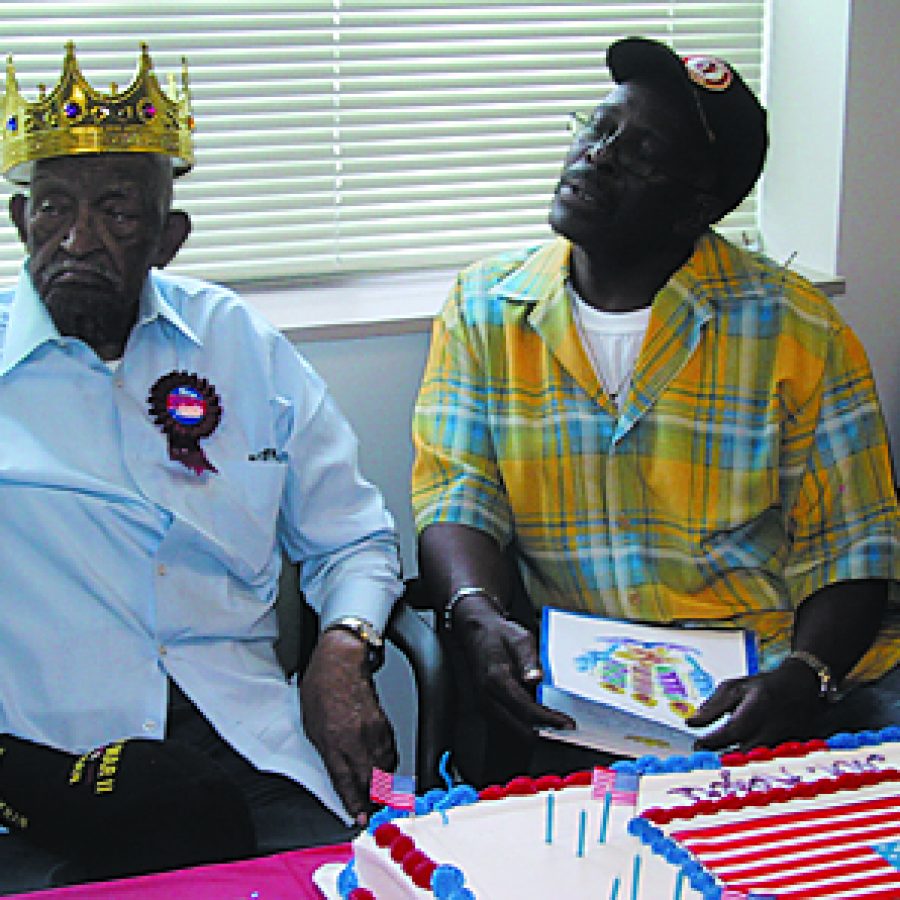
(624, 791)
(396, 791)
(602, 781)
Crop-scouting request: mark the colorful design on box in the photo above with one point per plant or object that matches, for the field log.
(652, 673)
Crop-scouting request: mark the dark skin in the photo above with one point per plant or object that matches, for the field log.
(94, 225)
(635, 193)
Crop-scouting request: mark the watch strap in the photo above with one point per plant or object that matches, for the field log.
(367, 633)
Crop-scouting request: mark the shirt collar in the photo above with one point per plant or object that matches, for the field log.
(30, 324)
(540, 280)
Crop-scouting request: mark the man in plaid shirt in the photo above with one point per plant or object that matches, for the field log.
(656, 425)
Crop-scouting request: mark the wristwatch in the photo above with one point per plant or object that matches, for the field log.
(827, 686)
(367, 633)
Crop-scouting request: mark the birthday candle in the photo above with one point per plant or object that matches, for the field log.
(614, 892)
(635, 876)
(549, 834)
(679, 885)
(582, 828)
(604, 822)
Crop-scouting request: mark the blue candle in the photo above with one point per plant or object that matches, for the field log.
(635, 876)
(679, 885)
(549, 834)
(604, 822)
(582, 829)
(614, 893)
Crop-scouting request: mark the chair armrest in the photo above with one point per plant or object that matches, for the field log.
(419, 643)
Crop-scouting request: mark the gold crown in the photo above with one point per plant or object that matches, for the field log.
(74, 118)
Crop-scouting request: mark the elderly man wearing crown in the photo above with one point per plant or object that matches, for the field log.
(641, 420)
(161, 447)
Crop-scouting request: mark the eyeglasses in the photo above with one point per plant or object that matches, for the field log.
(631, 153)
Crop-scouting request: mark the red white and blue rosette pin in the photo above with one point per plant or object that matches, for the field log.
(186, 408)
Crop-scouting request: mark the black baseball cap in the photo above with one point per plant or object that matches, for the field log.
(712, 91)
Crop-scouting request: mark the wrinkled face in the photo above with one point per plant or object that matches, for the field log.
(92, 226)
(634, 174)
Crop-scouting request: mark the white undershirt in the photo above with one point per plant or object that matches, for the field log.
(612, 341)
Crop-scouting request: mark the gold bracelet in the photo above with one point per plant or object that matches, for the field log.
(827, 686)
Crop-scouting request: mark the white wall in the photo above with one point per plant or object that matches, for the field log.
(832, 181)
(868, 247)
(374, 381)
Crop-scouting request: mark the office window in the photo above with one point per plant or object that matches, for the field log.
(368, 135)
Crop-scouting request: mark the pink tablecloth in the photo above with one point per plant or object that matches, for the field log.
(286, 876)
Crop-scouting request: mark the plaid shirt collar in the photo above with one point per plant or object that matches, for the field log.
(680, 310)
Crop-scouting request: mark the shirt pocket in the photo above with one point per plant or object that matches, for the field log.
(242, 512)
(232, 511)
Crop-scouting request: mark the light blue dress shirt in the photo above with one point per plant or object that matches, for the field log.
(121, 567)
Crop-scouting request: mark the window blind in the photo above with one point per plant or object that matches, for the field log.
(368, 135)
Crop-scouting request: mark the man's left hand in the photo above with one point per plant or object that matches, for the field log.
(763, 710)
(344, 720)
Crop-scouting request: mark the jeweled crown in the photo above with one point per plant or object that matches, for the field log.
(74, 118)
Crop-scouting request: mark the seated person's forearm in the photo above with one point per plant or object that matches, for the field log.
(458, 556)
(839, 622)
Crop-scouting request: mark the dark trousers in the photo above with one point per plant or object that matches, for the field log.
(285, 815)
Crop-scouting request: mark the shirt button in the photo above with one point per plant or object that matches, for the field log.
(119, 383)
(161, 569)
(149, 725)
(163, 650)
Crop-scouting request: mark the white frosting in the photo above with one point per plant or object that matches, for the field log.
(500, 845)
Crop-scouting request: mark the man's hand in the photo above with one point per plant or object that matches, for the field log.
(765, 709)
(505, 666)
(344, 720)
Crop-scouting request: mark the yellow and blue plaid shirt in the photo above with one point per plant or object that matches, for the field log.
(747, 468)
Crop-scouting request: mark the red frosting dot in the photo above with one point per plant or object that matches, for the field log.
(789, 748)
(385, 834)
(733, 759)
(359, 893)
(422, 873)
(493, 792)
(401, 847)
(812, 746)
(413, 859)
(548, 783)
(577, 779)
(760, 754)
(520, 787)
(660, 816)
